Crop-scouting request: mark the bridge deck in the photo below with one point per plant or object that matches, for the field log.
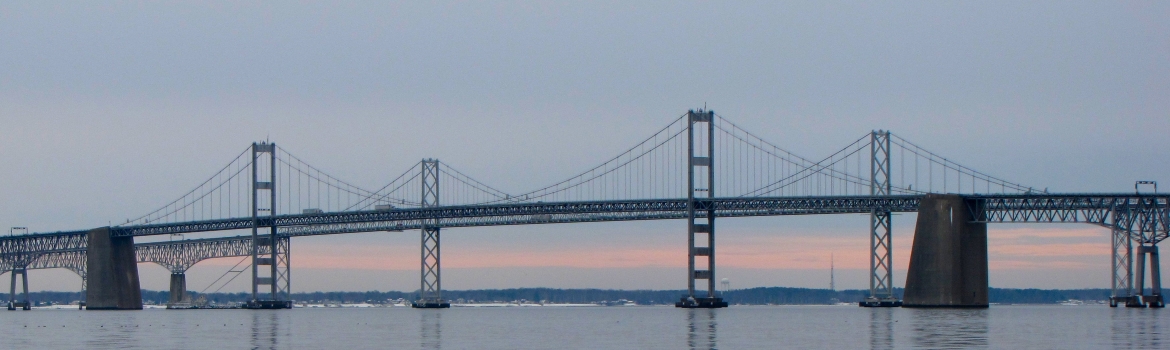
(1092, 208)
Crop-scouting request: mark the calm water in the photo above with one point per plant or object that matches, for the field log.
(738, 327)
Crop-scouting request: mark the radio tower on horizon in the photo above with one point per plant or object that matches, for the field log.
(832, 268)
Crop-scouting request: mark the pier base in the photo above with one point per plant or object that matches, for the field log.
(1123, 301)
(875, 302)
(701, 303)
(268, 304)
(430, 304)
(23, 305)
(948, 262)
(113, 273)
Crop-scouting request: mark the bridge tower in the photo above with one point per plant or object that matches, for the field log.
(270, 273)
(1122, 263)
(700, 214)
(430, 281)
(881, 272)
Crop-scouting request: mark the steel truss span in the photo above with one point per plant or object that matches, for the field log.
(469, 215)
(1145, 217)
(178, 256)
(1038, 208)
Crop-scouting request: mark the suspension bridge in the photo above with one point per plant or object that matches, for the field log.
(698, 168)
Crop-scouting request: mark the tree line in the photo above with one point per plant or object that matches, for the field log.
(750, 296)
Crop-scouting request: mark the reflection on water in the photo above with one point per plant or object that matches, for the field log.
(701, 328)
(1137, 328)
(738, 327)
(949, 328)
(431, 328)
(881, 328)
(265, 329)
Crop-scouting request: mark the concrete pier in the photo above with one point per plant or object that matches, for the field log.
(178, 287)
(113, 273)
(948, 262)
(23, 303)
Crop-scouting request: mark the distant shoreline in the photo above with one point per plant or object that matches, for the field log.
(606, 297)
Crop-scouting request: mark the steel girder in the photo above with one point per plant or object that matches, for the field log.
(553, 213)
(178, 256)
(15, 245)
(394, 226)
(1042, 208)
(1145, 217)
(744, 207)
(74, 260)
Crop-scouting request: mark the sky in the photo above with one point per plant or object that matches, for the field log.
(110, 110)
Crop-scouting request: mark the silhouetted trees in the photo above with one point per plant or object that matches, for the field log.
(752, 296)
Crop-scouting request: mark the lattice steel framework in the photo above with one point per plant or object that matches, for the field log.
(881, 259)
(1122, 276)
(1143, 226)
(73, 259)
(1140, 218)
(430, 279)
(178, 256)
(11, 246)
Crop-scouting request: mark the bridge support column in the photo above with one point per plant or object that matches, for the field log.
(267, 275)
(430, 281)
(1122, 293)
(178, 287)
(113, 269)
(700, 216)
(1154, 299)
(948, 262)
(23, 304)
(881, 253)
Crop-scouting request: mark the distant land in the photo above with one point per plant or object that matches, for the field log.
(751, 296)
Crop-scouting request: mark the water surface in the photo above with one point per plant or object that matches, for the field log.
(737, 327)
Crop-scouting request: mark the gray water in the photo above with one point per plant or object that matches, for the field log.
(737, 327)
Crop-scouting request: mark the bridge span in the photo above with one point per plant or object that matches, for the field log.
(176, 256)
(672, 175)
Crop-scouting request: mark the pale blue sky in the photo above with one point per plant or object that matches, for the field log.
(109, 110)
